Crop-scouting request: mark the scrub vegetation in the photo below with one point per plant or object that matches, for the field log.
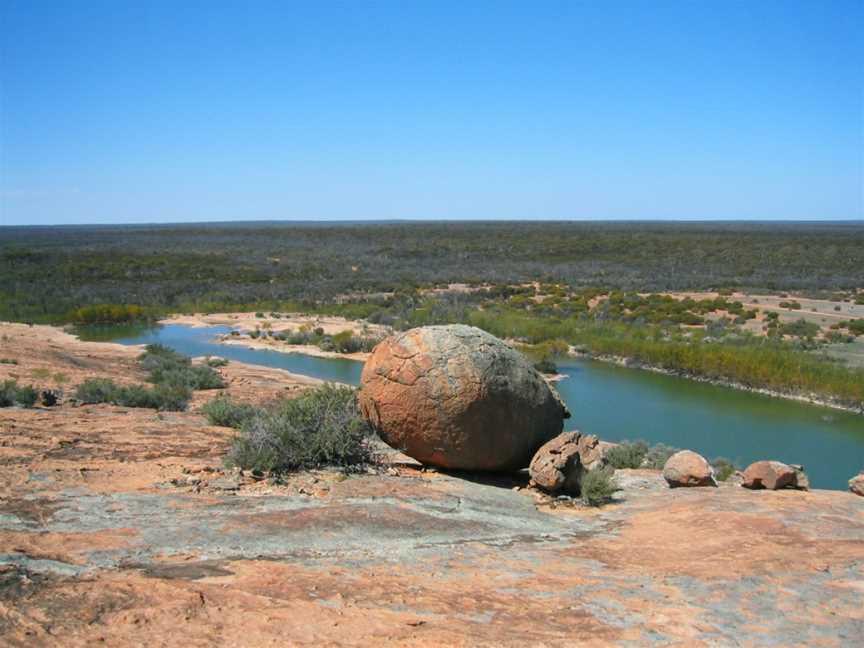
(11, 393)
(114, 273)
(172, 374)
(638, 454)
(322, 427)
(598, 486)
(549, 286)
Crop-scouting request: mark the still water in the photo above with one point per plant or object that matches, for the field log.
(617, 403)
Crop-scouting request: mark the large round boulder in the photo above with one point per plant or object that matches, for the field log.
(457, 397)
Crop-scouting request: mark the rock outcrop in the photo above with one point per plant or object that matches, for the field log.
(557, 466)
(688, 468)
(592, 451)
(856, 484)
(774, 475)
(458, 397)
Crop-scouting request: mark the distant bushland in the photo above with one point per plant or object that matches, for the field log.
(109, 314)
(207, 268)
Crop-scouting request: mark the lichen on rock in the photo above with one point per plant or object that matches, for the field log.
(457, 397)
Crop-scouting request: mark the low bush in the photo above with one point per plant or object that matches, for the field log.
(657, 456)
(321, 427)
(96, 390)
(598, 486)
(723, 468)
(8, 361)
(216, 362)
(165, 397)
(223, 411)
(638, 454)
(167, 367)
(627, 454)
(11, 393)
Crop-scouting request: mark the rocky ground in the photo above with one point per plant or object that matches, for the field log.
(120, 527)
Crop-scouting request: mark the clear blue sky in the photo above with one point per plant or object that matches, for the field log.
(181, 111)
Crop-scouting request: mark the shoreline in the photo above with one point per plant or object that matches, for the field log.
(630, 363)
(301, 349)
(242, 322)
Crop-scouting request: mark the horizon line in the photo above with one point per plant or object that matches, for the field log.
(408, 221)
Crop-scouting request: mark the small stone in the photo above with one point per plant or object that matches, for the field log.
(557, 467)
(225, 484)
(772, 475)
(688, 468)
(856, 484)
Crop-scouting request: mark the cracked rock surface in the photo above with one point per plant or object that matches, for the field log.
(457, 397)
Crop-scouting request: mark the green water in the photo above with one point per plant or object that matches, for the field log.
(617, 403)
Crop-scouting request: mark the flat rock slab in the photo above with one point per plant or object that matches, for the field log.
(435, 558)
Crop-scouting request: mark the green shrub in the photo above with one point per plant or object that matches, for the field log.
(133, 396)
(96, 390)
(13, 394)
(26, 396)
(638, 454)
(723, 468)
(8, 361)
(657, 456)
(800, 328)
(173, 398)
(223, 411)
(167, 367)
(598, 486)
(321, 427)
(627, 454)
(216, 362)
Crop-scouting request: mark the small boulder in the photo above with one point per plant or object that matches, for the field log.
(774, 475)
(457, 397)
(557, 467)
(802, 481)
(592, 451)
(688, 468)
(856, 484)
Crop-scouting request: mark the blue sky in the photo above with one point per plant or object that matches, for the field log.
(181, 111)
